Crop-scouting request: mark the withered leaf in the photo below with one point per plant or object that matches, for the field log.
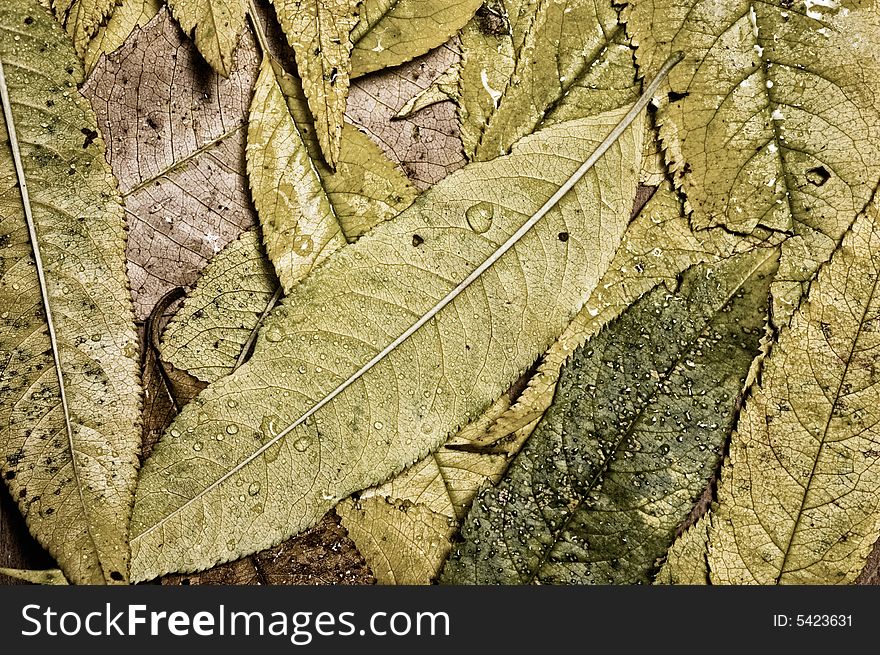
(70, 401)
(362, 437)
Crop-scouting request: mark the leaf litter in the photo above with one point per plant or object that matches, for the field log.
(294, 145)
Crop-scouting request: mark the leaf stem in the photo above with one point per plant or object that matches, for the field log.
(262, 39)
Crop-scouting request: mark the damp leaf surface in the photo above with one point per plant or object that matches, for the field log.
(352, 307)
(71, 466)
(319, 33)
(634, 434)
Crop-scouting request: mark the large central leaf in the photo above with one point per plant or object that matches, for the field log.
(222, 484)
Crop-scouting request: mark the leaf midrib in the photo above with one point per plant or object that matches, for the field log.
(827, 427)
(603, 469)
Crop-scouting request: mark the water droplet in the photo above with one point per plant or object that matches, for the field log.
(232, 428)
(197, 446)
(269, 426)
(274, 334)
(303, 244)
(175, 433)
(479, 217)
(241, 498)
(302, 444)
(232, 403)
(254, 488)
(378, 425)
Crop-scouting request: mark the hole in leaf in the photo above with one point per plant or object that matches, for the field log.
(818, 175)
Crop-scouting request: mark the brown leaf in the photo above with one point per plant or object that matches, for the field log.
(322, 555)
(427, 145)
(176, 131)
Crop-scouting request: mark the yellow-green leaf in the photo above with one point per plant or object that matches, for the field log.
(435, 492)
(686, 561)
(798, 502)
(391, 32)
(221, 314)
(520, 59)
(319, 33)
(233, 475)
(47, 577)
(299, 226)
(658, 245)
(83, 18)
(442, 89)
(70, 461)
(769, 120)
(111, 34)
(214, 25)
(636, 429)
(402, 542)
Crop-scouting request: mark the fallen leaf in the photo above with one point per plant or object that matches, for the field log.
(47, 577)
(442, 89)
(797, 501)
(215, 27)
(393, 32)
(364, 190)
(111, 34)
(82, 19)
(479, 453)
(212, 333)
(403, 541)
(686, 561)
(768, 121)
(319, 33)
(520, 59)
(657, 247)
(295, 198)
(434, 494)
(636, 430)
(299, 226)
(352, 307)
(166, 388)
(427, 146)
(176, 141)
(70, 411)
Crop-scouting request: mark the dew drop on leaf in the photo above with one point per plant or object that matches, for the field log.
(479, 217)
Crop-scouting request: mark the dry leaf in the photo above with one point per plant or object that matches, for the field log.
(797, 501)
(70, 413)
(362, 438)
(769, 121)
(319, 33)
(392, 32)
